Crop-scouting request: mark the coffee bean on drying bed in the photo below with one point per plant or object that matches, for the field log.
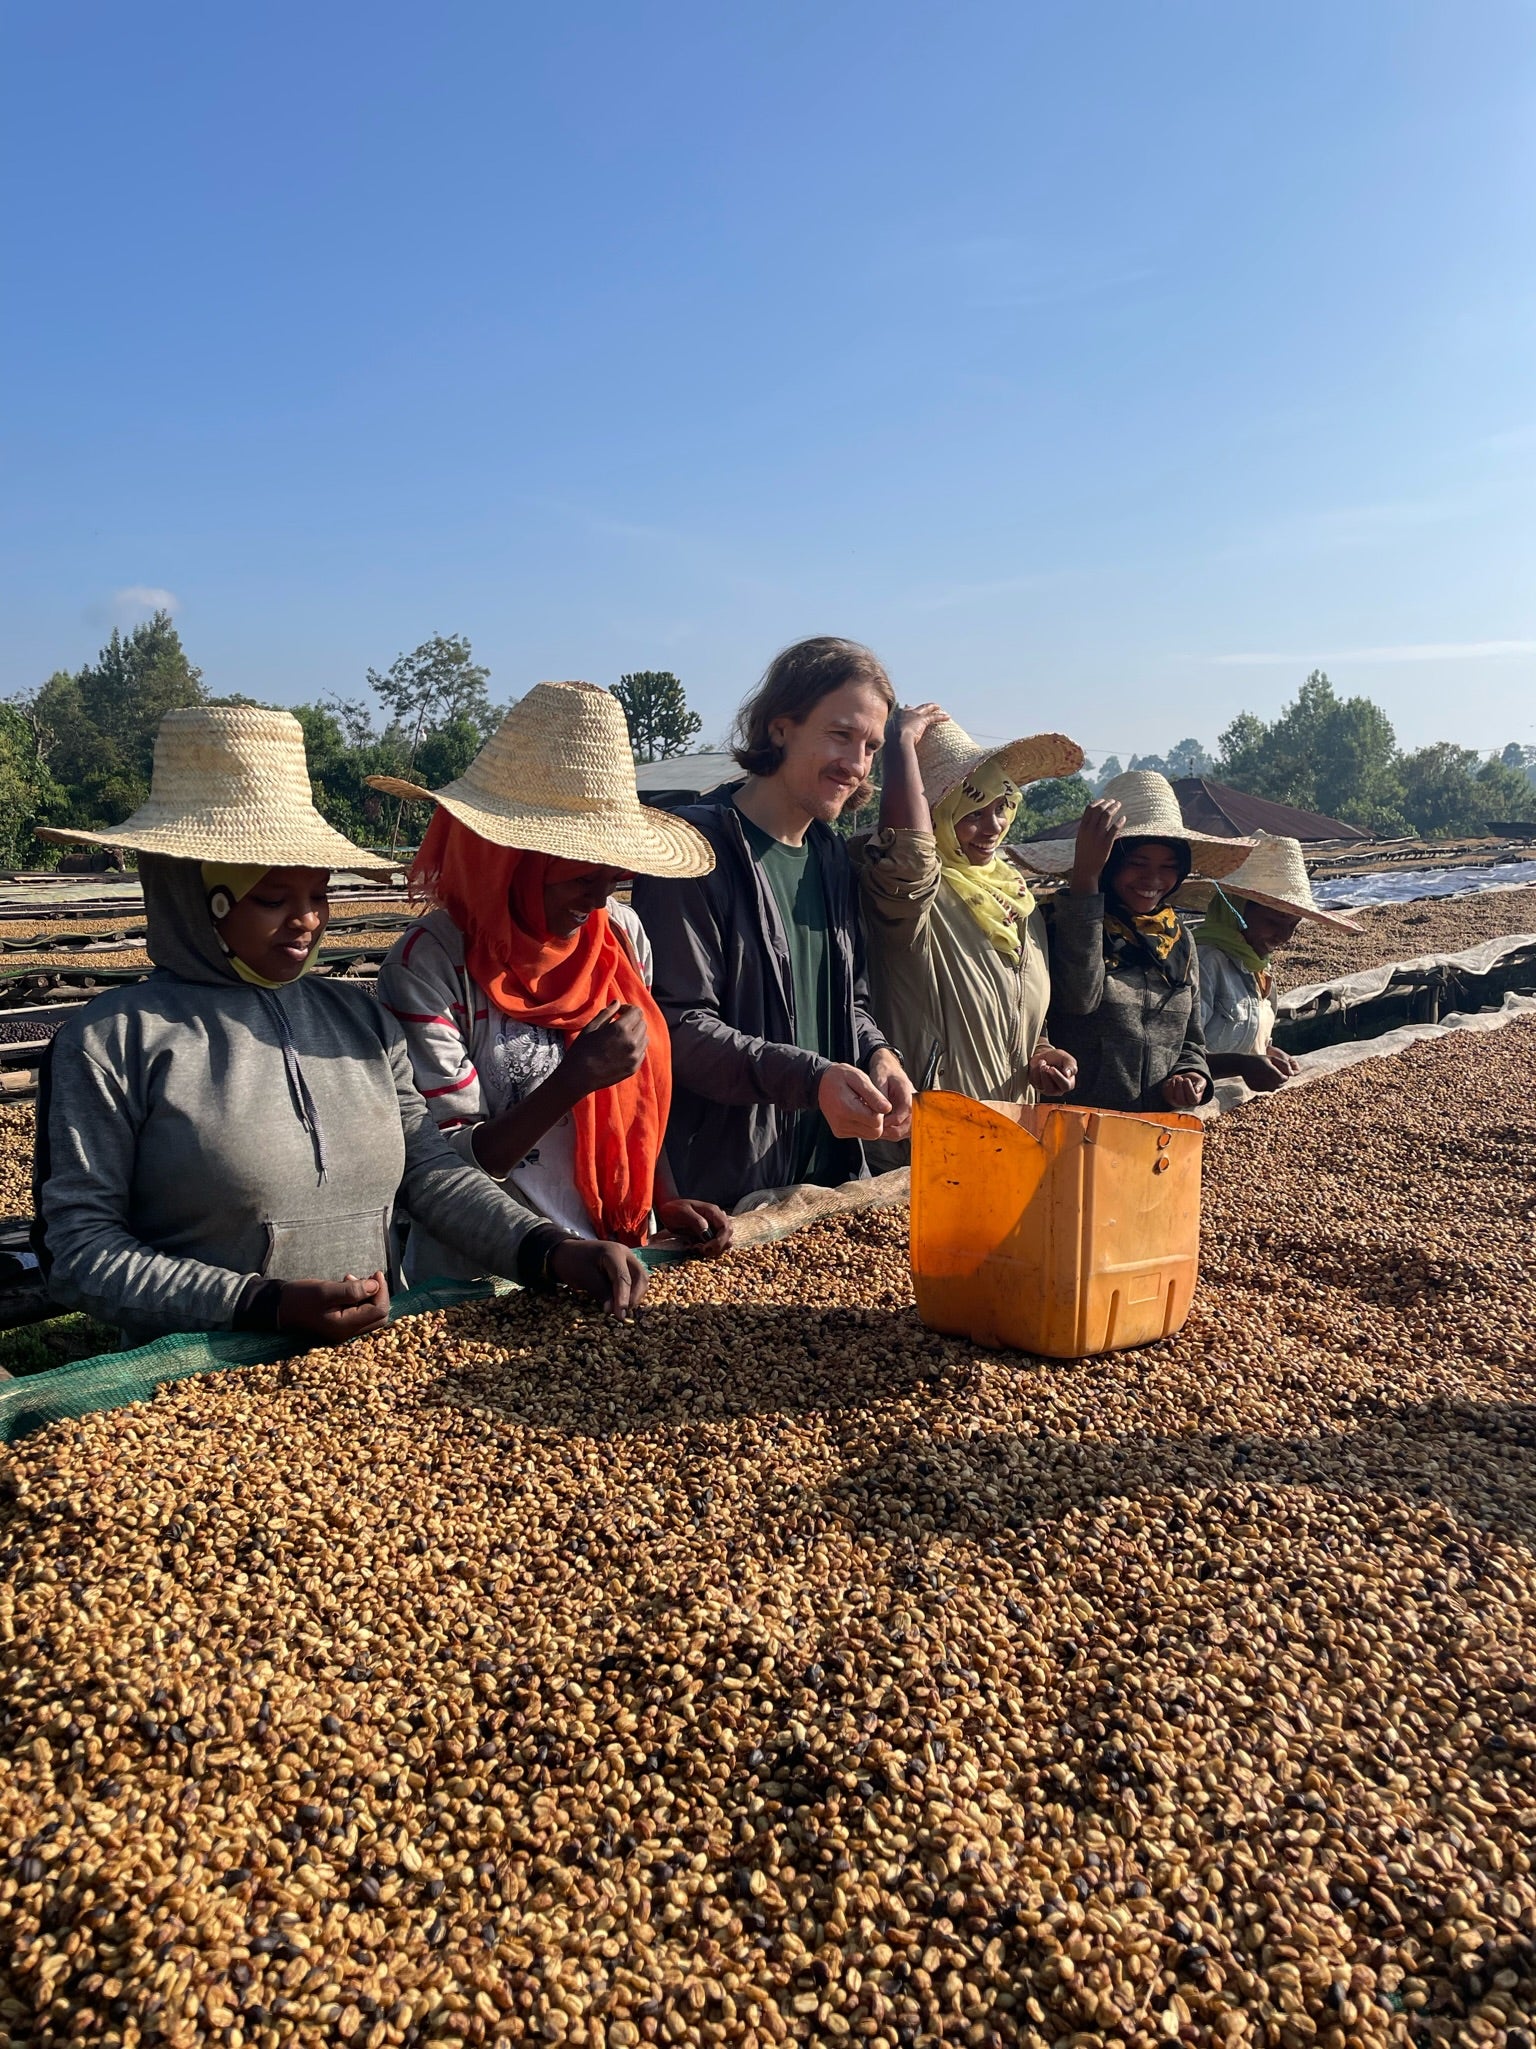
(771, 1669)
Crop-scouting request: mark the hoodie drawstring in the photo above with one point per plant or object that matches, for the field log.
(298, 1088)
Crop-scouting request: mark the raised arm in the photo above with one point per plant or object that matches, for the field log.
(468, 1211)
(903, 807)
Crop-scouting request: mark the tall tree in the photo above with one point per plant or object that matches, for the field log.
(1323, 753)
(1449, 793)
(1185, 757)
(656, 712)
(96, 730)
(433, 686)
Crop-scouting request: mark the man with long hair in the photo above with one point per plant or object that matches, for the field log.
(780, 1074)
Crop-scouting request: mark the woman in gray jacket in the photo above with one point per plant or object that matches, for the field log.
(1125, 981)
(221, 1146)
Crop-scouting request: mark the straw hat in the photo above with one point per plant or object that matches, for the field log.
(1275, 874)
(947, 754)
(557, 777)
(230, 783)
(1151, 813)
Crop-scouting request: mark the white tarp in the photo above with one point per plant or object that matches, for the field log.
(1405, 885)
(1349, 1052)
(1350, 990)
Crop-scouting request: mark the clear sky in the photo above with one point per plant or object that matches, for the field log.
(1105, 366)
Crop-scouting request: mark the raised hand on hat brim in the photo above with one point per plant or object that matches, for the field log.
(1096, 831)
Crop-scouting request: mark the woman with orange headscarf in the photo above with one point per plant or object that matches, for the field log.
(524, 994)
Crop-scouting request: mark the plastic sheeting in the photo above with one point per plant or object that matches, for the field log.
(1352, 990)
(1350, 1052)
(1405, 885)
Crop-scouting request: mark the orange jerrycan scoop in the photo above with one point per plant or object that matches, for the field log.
(1053, 1229)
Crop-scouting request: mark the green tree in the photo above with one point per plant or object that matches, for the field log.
(437, 684)
(1449, 793)
(1057, 802)
(1185, 757)
(1108, 769)
(1324, 753)
(28, 794)
(95, 731)
(656, 712)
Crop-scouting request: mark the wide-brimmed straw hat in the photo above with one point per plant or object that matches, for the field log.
(1151, 813)
(1275, 873)
(557, 777)
(230, 783)
(947, 755)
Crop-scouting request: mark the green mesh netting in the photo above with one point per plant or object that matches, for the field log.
(115, 1379)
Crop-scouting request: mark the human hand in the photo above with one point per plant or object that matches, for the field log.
(1263, 1072)
(608, 1050)
(851, 1104)
(595, 1266)
(1287, 1063)
(1096, 831)
(1182, 1091)
(915, 721)
(1052, 1072)
(708, 1225)
(334, 1310)
(894, 1083)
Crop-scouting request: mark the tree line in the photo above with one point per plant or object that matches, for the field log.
(78, 750)
(1339, 755)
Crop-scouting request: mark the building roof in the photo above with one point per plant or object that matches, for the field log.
(683, 777)
(1232, 814)
(1218, 808)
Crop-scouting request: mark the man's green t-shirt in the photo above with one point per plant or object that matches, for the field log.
(794, 876)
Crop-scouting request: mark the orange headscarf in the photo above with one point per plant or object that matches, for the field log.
(495, 895)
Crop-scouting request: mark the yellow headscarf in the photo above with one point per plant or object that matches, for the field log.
(995, 894)
(226, 883)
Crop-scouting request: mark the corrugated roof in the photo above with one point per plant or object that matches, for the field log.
(682, 777)
(1234, 814)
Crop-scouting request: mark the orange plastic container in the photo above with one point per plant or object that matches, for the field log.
(1053, 1229)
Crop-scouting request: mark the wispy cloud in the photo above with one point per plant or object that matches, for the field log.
(1412, 651)
(126, 607)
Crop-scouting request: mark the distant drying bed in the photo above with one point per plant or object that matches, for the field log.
(62, 958)
(773, 1669)
(1395, 932)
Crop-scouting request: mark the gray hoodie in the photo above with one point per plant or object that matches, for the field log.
(199, 1136)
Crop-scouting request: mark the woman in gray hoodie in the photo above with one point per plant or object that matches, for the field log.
(221, 1146)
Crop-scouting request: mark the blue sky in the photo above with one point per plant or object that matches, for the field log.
(1105, 366)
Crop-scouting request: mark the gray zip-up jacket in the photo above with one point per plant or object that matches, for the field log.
(1129, 1023)
(723, 979)
(185, 1155)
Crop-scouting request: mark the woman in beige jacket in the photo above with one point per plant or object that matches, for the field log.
(957, 953)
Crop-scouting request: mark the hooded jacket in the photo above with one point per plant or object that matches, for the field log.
(723, 978)
(198, 1137)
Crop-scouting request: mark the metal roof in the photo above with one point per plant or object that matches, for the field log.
(1234, 814)
(683, 777)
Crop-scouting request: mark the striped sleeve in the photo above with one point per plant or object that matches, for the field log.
(423, 991)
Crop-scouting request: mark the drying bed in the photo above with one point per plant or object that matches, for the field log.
(773, 1668)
